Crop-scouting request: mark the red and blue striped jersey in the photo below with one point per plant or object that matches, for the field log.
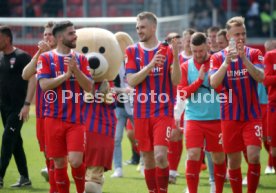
(238, 85)
(65, 101)
(155, 96)
(39, 102)
(183, 58)
(100, 117)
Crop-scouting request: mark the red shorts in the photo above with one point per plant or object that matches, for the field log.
(152, 131)
(236, 135)
(40, 133)
(62, 137)
(264, 120)
(99, 150)
(271, 117)
(200, 133)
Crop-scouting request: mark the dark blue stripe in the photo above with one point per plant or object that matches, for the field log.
(157, 91)
(100, 122)
(212, 71)
(137, 55)
(148, 90)
(261, 66)
(92, 123)
(165, 75)
(107, 124)
(39, 76)
(85, 112)
(113, 123)
(243, 86)
(54, 75)
(130, 71)
(63, 86)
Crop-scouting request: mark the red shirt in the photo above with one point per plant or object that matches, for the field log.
(58, 102)
(240, 86)
(157, 84)
(270, 75)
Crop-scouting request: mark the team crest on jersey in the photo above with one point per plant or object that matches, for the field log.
(261, 58)
(39, 65)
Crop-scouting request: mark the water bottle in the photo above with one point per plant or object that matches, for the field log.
(232, 46)
(164, 47)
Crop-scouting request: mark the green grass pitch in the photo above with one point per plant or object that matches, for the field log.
(132, 182)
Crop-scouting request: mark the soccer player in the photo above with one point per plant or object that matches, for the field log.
(175, 142)
(221, 39)
(201, 116)
(270, 82)
(153, 71)
(63, 75)
(211, 34)
(236, 74)
(15, 97)
(29, 71)
(186, 53)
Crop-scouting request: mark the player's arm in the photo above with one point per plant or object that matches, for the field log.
(52, 83)
(218, 71)
(176, 71)
(30, 68)
(269, 79)
(255, 72)
(24, 113)
(136, 78)
(184, 88)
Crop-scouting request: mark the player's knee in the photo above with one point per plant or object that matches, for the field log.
(93, 187)
(160, 159)
(75, 162)
(193, 155)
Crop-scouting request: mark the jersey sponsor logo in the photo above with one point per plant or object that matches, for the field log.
(237, 73)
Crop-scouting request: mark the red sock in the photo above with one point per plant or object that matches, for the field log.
(235, 178)
(192, 175)
(162, 179)
(253, 176)
(172, 155)
(219, 174)
(150, 178)
(78, 175)
(179, 151)
(51, 173)
(62, 180)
